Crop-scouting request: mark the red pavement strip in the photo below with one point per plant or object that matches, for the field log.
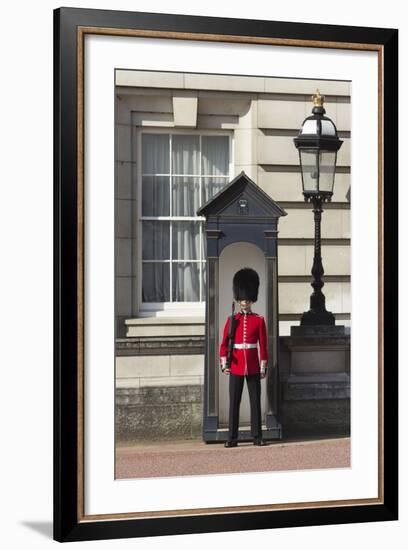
(197, 458)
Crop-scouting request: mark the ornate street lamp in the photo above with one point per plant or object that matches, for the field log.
(317, 144)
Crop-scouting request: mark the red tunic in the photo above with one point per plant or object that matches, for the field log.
(250, 328)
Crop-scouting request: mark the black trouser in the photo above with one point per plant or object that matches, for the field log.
(236, 384)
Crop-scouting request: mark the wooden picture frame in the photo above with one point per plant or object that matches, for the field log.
(71, 26)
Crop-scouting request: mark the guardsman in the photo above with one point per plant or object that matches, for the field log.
(239, 355)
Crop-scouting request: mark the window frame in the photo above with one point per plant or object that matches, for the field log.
(167, 309)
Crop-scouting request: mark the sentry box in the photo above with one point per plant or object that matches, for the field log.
(241, 230)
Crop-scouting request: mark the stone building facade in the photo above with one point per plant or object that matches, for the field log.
(160, 343)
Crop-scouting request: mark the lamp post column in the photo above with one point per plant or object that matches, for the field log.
(317, 315)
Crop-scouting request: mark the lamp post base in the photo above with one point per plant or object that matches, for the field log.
(319, 330)
(318, 317)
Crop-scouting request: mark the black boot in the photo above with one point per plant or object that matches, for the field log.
(232, 443)
(259, 442)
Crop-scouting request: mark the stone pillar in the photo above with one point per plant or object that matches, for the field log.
(272, 318)
(212, 340)
(211, 350)
(273, 331)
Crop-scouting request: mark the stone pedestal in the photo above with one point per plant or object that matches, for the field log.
(315, 382)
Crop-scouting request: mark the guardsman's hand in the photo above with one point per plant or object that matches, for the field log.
(263, 374)
(227, 371)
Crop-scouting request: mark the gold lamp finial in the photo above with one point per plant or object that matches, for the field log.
(318, 99)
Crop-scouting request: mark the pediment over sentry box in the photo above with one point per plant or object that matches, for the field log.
(241, 197)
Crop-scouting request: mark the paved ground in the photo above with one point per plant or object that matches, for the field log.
(197, 458)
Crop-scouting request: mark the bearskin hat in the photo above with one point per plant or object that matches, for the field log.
(245, 284)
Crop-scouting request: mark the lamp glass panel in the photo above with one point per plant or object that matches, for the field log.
(327, 162)
(309, 162)
(309, 127)
(328, 128)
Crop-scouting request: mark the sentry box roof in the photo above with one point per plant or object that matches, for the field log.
(241, 196)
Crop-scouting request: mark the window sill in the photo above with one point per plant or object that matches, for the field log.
(165, 326)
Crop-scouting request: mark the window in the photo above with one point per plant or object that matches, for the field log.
(180, 172)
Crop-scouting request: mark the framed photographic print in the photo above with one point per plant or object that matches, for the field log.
(225, 237)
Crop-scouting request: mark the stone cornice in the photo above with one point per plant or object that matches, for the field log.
(160, 345)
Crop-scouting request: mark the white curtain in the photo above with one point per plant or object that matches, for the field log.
(186, 275)
(179, 154)
(155, 202)
(185, 202)
(215, 162)
(155, 188)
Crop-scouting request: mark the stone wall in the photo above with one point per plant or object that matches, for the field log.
(316, 418)
(159, 396)
(159, 413)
